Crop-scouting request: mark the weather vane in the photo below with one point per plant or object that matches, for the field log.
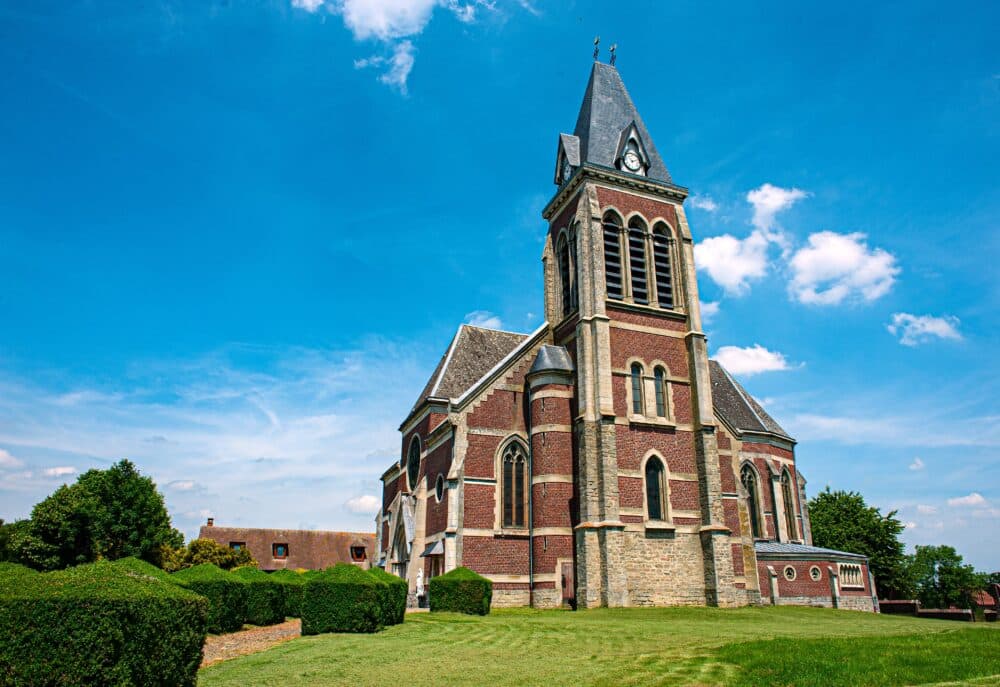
(614, 46)
(597, 46)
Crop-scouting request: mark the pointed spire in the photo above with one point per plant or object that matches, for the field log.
(607, 111)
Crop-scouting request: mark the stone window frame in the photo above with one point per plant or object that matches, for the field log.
(623, 222)
(851, 575)
(637, 238)
(569, 289)
(412, 481)
(670, 234)
(439, 488)
(630, 390)
(815, 573)
(790, 509)
(274, 550)
(664, 489)
(789, 573)
(612, 217)
(758, 500)
(647, 386)
(498, 515)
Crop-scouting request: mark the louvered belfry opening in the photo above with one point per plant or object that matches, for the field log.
(613, 257)
(637, 261)
(661, 266)
(562, 253)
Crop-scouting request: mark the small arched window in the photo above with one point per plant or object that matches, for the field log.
(637, 401)
(749, 479)
(562, 256)
(656, 489)
(613, 256)
(413, 463)
(574, 294)
(786, 494)
(514, 465)
(637, 260)
(660, 379)
(661, 266)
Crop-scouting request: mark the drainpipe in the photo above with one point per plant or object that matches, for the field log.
(531, 510)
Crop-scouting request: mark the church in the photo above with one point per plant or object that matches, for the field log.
(603, 459)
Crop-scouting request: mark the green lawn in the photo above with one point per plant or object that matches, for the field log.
(670, 646)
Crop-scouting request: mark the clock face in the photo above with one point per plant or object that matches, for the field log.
(632, 161)
(567, 171)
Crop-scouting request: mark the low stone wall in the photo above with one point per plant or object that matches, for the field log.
(903, 607)
(963, 614)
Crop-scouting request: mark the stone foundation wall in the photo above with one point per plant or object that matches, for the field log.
(664, 569)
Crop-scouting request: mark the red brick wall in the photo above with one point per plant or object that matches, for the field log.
(676, 447)
(626, 203)
(437, 463)
(493, 556)
(479, 511)
(803, 584)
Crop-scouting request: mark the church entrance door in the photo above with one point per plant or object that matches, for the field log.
(568, 585)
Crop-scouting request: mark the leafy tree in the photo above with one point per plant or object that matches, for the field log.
(109, 514)
(943, 579)
(843, 521)
(9, 535)
(205, 551)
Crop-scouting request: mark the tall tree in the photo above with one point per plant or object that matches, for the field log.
(842, 520)
(943, 579)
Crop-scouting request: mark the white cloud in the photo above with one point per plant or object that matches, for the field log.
(917, 464)
(364, 505)
(400, 66)
(60, 471)
(973, 499)
(703, 203)
(181, 485)
(910, 525)
(709, 309)
(926, 510)
(9, 461)
(484, 318)
(918, 329)
(834, 267)
(733, 263)
(769, 200)
(750, 361)
(307, 5)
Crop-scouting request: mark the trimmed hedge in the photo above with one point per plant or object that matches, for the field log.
(11, 571)
(226, 594)
(265, 597)
(343, 598)
(461, 591)
(141, 567)
(394, 597)
(98, 625)
(293, 585)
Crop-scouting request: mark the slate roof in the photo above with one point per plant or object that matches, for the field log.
(309, 549)
(607, 110)
(472, 353)
(552, 359)
(778, 549)
(737, 408)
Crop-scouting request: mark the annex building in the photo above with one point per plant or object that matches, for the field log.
(603, 459)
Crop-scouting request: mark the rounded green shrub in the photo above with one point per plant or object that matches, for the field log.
(12, 571)
(97, 625)
(138, 566)
(343, 598)
(394, 596)
(226, 594)
(461, 591)
(293, 585)
(265, 597)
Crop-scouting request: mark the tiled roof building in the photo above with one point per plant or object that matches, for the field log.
(276, 549)
(603, 459)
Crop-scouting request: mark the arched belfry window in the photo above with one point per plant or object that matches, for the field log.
(514, 469)
(656, 489)
(638, 407)
(562, 255)
(637, 260)
(613, 256)
(786, 494)
(574, 293)
(749, 479)
(660, 380)
(661, 266)
(413, 463)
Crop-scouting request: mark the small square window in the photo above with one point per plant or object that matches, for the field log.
(279, 550)
(358, 554)
(237, 545)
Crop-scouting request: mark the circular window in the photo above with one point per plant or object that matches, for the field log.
(439, 488)
(413, 463)
(815, 573)
(789, 573)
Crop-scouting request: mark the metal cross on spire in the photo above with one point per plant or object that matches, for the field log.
(597, 46)
(614, 46)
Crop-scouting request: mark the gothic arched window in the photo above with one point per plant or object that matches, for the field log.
(786, 494)
(656, 489)
(748, 476)
(637, 260)
(514, 467)
(638, 407)
(574, 293)
(660, 379)
(661, 266)
(413, 463)
(562, 256)
(613, 256)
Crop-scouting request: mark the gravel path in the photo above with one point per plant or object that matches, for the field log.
(224, 647)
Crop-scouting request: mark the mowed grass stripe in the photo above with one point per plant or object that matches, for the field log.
(668, 646)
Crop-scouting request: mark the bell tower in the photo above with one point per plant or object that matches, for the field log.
(621, 296)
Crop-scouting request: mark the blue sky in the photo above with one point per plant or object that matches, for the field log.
(236, 236)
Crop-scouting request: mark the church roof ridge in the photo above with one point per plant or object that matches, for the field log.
(737, 407)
